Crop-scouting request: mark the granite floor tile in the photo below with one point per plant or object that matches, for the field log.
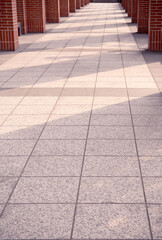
(110, 92)
(146, 101)
(60, 147)
(111, 120)
(46, 190)
(14, 92)
(36, 221)
(39, 101)
(111, 132)
(65, 132)
(147, 120)
(155, 213)
(6, 186)
(111, 166)
(34, 109)
(20, 132)
(12, 166)
(113, 109)
(26, 120)
(54, 166)
(109, 221)
(153, 132)
(75, 100)
(1, 208)
(149, 147)
(151, 166)
(111, 190)
(69, 120)
(16, 147)
(72, 109)
(80, 92)
(153, 189)
(144, 92)
(3, 118)
(119, 101)
(111, 147)
(153, 110)
(6, 109)
(10, 100)
(44, 92)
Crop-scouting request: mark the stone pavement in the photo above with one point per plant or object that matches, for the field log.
(80, 135)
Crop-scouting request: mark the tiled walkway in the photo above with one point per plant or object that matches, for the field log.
(81, 135)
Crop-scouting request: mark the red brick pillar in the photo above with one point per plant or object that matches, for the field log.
(8, 25)
(64, 8)
(82, 3)
(36, 15)
(78, 4)
(142, 16)
(53, 11)
(123, 4)
(72, 5)
(134, 11)
(21, 15)
(155, 25)
(129, 8)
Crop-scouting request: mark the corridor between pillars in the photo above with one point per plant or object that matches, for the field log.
(32, 15)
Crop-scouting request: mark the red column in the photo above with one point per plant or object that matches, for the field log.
(36, 15)
(78, 4)
(126, 4)
(64, 8)
(21, 15)
(155, 25)
(72, 5)
(82, 3)
(134, 11)
(8, 25)
(142, 16)
(53, 11)
(129, 8)
(123, 3)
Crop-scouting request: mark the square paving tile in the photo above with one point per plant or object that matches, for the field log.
(6, 186)
(147, 120)
(149, 147)
(113, 132)
(60, 147)
(110, 166)
(54, 166)
(153, 132)
(34, 109)
(155, 213)
(72, 109)
(113, 109)
(20, 132)
(151, 166)
(16, 147)
(46, 190)
(12, 166)
(111, 190)
(69, 120)
(65, 132)
(153, 189)
(111, 147)
(25, 120)
(152, 110)
(111, 221)
(110, 120)
(36, 221)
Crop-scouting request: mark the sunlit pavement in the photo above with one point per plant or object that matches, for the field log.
(81, 132)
